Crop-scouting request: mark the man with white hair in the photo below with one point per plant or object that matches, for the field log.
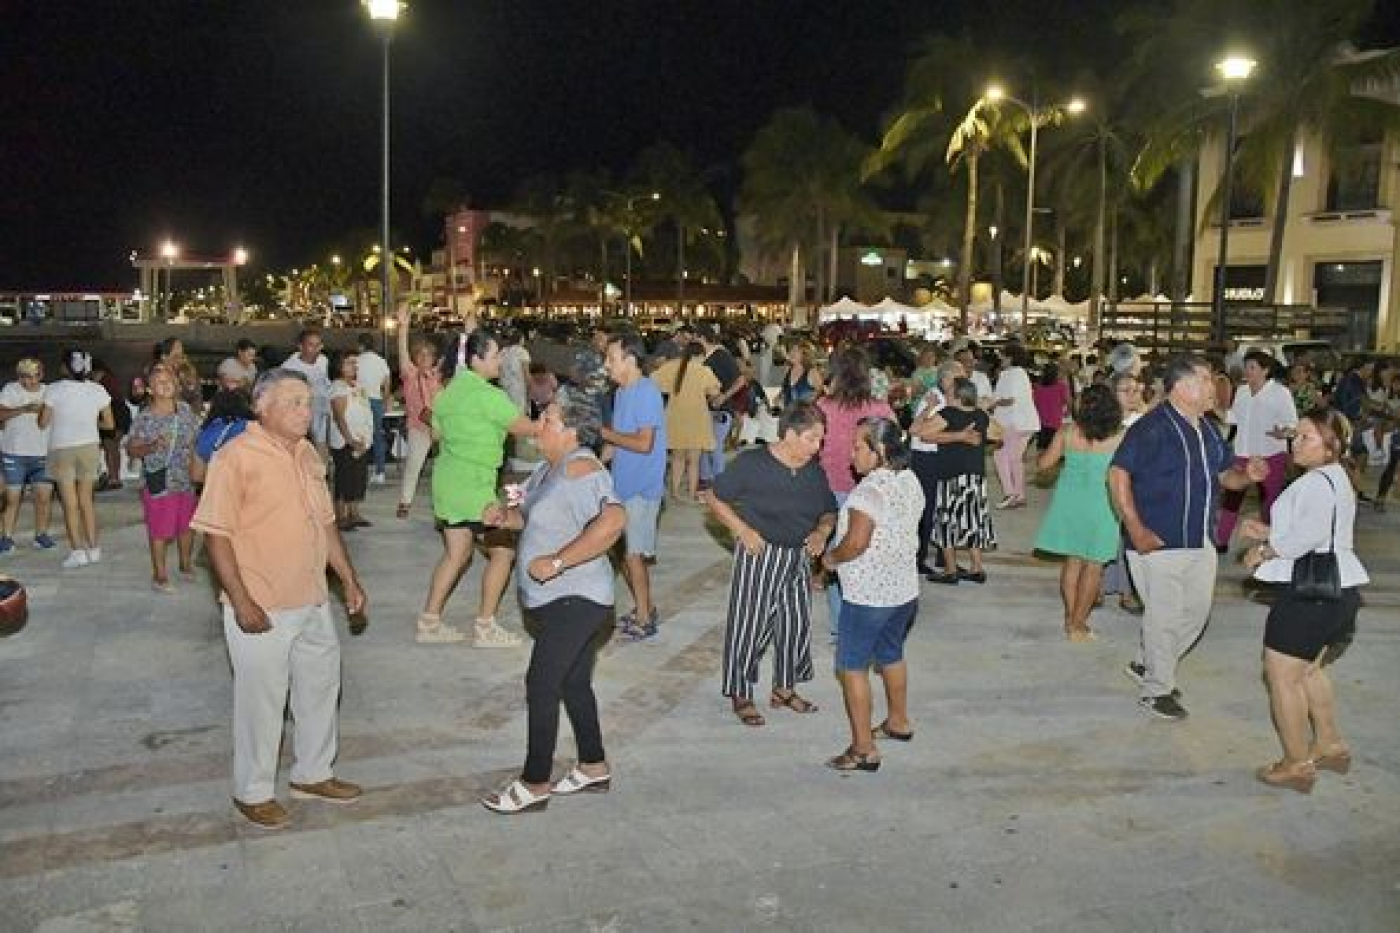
(270, 531)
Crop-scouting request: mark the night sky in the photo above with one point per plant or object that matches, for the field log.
(256, 122)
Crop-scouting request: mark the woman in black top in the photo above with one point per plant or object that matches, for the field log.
(961, 519)
(778, 504)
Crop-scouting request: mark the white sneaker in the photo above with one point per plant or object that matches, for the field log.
(94, 555)
(75, 559)
(379, 479)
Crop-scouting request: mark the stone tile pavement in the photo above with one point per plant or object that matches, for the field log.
(1035, 796)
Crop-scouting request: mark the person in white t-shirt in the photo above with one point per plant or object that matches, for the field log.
(515, 369)
(1265, 416)
(1015, 412)
(377, 382)
(24, 448)
(240, 371)
(309, 361)
(74, 409)
(352, 423)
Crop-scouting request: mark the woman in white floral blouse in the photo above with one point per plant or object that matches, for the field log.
(878, 530)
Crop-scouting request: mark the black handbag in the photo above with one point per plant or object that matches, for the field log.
(1316, 576)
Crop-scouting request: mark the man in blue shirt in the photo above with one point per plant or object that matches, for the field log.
(637, 437)
(1165, 481)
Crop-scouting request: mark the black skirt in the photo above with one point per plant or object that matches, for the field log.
(350, 478)
(1302, 628)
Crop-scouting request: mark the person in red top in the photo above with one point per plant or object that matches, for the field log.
(1051, 394)
(848, 401)
(422, 382)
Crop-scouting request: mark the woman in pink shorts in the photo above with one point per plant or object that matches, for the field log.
(162, 437)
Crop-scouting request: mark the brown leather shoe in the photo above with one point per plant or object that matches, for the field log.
(269, 814)
(332, 789)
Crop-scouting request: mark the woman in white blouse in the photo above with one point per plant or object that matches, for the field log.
(1316, 513)
(1015, 412)
(878, 534)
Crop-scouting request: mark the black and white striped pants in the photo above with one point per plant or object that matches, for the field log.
(770, 601)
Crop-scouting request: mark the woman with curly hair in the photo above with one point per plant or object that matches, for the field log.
(1080, 523)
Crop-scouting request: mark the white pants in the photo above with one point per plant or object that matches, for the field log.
(419, 443)
(302, 650)
(1177, 587)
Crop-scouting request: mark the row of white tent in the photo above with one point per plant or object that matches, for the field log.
(890, 311)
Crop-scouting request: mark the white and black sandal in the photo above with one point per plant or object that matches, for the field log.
(576, 782)
(516, 798)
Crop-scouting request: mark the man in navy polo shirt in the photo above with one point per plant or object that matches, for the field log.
(1165, 481)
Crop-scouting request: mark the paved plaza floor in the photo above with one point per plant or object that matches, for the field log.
(1035, 796)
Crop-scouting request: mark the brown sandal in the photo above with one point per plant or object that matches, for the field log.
(1299, 777)
(748, 714)
(402, 511)
(791, 700)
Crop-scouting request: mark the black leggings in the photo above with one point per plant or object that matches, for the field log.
(1388, 474)
(924, 463)
(561, 668)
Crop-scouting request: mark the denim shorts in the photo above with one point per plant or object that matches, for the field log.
(21, 471)
(872, 634)
(642, 517)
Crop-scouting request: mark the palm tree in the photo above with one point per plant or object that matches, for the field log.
(685, 200)
(1092, 166)
(1311, 83)
(922, 134)
(802, 187)
(553, 215)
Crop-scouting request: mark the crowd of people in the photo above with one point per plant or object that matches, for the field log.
(867, 485)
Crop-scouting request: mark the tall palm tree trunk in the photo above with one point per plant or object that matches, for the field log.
(797, 304)
(1285, 192)
(1097, 273)
(1183, 233)
(831, 268)
(1061, 242)
(969, 236)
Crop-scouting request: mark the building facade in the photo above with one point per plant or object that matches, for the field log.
(1341, 241)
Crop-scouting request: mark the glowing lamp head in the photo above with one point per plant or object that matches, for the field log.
(995, 92)
(383, 11)
(1076, 106)
(1235, 68)
(240, 256)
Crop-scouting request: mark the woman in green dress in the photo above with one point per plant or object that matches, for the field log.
(1080, 524)
(470, 420)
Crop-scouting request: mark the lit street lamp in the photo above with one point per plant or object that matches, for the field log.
(630, 200)
(384, 14)
(1035, 115)
(1234, 71)
(169, 251)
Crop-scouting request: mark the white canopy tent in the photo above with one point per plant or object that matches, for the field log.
(847, 307)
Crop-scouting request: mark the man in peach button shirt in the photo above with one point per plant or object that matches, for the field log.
(270, 533)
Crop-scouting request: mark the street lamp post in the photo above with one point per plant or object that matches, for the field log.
(169, 251)
(629, 200)
(384, 14)
(1034, 114)
(1233, 71)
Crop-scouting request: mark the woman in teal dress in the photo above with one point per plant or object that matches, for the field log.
(1080, 523)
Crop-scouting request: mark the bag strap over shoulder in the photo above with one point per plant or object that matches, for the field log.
(1332, 538)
